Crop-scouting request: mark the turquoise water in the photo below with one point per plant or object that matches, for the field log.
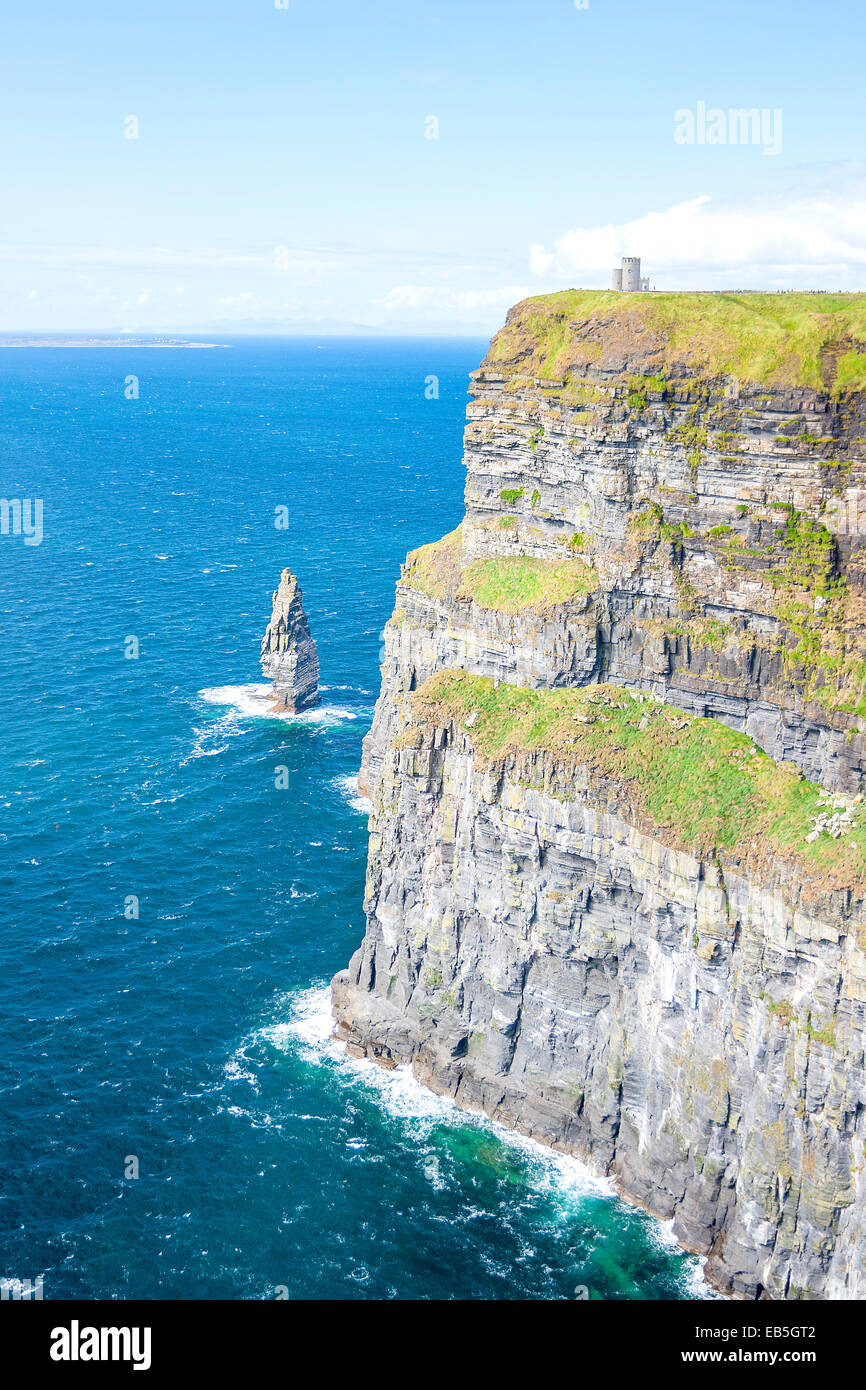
(193, 1038)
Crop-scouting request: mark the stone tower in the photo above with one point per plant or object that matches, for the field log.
(631, 273)
(628, 277)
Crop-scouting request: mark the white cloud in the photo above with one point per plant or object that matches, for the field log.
(304, 265)
(243, 298)
(123, 258)
(811, 237)
(305, 261)
(541, 262)
(447, 302)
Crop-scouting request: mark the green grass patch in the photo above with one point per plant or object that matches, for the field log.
(509, 583)
(515, 582)
(818, 608)
(648, 524)
(798, 339)
(851, 372)
(434, 569)
(701, 785)
(637, 398)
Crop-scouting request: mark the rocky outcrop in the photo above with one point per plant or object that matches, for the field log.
(691, 1031)
(289, 657)
(638, 931)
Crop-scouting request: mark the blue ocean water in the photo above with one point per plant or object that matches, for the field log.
(193, 1038)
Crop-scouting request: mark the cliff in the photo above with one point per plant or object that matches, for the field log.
(289, 656)
(617, 862)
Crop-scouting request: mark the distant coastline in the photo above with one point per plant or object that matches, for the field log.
(25, 341)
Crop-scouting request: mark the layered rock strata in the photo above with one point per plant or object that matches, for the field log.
(289, 657)
(617, 861)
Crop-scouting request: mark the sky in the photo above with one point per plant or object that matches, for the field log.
(416, 166)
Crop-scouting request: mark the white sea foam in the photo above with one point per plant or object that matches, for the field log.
(234, 1071)
(348, 787)
(199, 751)
(295, 892)
(694, 1283)
(210, 739)
(313, 1023)
(253, 701)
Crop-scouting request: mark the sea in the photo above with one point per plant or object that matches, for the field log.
(181, 872)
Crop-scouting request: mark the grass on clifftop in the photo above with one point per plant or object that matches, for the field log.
(506, 583)
(704, 784)
(796, 339)
(511, 583)
(434, 568)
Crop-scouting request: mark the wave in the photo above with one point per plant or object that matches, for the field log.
(695, 1284)
(209, 738)
(348, 787)
(403, 1096)
(253, 701)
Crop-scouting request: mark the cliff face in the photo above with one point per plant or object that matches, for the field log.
(618, 846)
(289, 656)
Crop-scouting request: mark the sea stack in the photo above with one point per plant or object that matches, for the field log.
(289, 656)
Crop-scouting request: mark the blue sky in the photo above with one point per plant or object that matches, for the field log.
(283, 174)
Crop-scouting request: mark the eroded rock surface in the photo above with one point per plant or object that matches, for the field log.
(289, 656)
(548, 946)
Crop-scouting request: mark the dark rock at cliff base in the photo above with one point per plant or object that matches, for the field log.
(289, 656)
